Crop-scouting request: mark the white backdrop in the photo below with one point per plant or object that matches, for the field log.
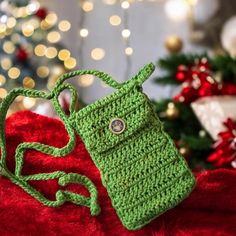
(149, 27)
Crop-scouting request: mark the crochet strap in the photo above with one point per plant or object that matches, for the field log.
(63, 178)
(138, 79)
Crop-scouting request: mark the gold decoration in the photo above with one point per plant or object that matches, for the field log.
(185, 151)
(172, 111)
(173, 44)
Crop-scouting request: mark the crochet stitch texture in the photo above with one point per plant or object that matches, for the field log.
(140, 167)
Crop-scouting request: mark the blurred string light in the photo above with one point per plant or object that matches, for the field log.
(64, 25)
(179, 10)
(30, 27)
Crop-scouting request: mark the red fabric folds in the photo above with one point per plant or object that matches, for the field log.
(209, 210)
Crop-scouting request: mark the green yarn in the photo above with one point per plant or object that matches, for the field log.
(142, 170)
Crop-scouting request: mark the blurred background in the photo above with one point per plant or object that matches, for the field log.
(192, 43)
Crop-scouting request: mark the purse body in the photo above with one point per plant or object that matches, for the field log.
(141, 168)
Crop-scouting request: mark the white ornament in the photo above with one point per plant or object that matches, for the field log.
(228, 36)
(204, 10)
(213, 111)
(177, 10)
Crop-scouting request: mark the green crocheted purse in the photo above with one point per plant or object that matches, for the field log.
(140, 167)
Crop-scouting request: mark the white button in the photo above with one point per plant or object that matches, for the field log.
(117, 126)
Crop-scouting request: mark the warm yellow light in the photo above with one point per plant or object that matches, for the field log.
(44, 25)
(97, 53)
(40, 50)
(64, 54)
(2, 80)
(3, 93)
(6, 63)
(87, 6)
(64, 25)
(51, 52)
(28, 82)
(125, 33)
(51, 19)
(27, 29)
(42, 71)
(129, 51)
(53, 37)
(14, 73)
(125, 4)
(83, 33)
(8, 47)
(85, 80)
(28, 103)
(57, 70)
(21, 12)
(115, 20)
(34, 22)
(109, 2)
(70, 63)
(11, 22)
(3, 28)
(177, 10)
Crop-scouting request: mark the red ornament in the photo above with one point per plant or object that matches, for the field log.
(41, 13)
(197, 81)
(181, 74)
(21, 55)
(225, 149)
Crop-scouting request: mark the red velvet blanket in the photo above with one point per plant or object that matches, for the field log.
(210, 209)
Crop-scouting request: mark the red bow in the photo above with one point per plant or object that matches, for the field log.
(225, 147)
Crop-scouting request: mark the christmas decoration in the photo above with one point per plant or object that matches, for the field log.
(128, 127)
(202, 81)
(21, 55)
(173, 44)
(172, 111)
(30, 48)
(225, 148)
(213, 194)
(213, 111)
(228, 36)
(197, 81)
